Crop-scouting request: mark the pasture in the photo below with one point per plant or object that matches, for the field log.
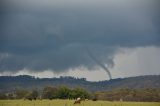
(70, 103)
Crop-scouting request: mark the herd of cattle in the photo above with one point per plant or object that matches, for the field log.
(78, 101)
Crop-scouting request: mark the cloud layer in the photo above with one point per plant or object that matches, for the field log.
(53, 35)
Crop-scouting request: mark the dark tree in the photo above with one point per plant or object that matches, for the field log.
(50, 93)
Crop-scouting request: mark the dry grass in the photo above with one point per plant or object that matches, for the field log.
(70, 103)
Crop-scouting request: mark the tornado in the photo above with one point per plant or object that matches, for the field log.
(99, 63)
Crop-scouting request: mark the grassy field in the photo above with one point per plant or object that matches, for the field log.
(70, 103)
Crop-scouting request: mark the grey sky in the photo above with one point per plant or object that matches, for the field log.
(39, 35)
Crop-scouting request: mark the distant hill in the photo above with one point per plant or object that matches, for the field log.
(8, 83)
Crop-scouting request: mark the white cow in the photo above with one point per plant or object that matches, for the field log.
(77, 101)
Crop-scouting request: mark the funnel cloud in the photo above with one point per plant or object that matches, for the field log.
(99, 63)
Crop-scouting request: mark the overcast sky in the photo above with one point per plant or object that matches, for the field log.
(51, 38)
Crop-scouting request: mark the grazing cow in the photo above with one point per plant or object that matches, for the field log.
(94, 99)
(86, 99)
(30, 99)
(77, 101)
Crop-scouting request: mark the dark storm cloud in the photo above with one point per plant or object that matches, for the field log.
(39, 35)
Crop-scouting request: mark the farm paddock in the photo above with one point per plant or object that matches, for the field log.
(71, 103)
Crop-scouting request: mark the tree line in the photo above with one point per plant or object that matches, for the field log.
(63, 92)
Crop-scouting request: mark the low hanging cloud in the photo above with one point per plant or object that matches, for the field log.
(53, 34)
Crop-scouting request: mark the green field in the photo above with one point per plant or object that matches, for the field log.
(70, 103)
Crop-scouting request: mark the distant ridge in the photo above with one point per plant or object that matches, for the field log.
(8, 83)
